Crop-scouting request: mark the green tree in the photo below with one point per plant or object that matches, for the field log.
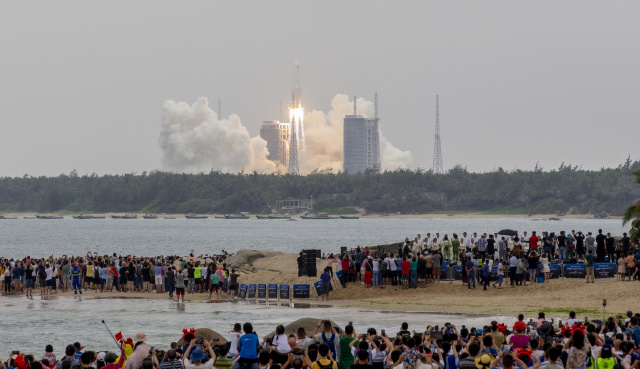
(632, 214)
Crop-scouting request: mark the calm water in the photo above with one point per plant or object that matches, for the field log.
(41, 238)
(29, 325)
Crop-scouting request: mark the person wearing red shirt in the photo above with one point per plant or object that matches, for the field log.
(405, 273)
(533, 241)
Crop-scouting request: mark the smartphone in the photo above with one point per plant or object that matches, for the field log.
(530, 321)
(15, 352)
(586, 320)
(382, 333)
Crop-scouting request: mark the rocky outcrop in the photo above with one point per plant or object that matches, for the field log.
(244, 257)
(309, 325)
(207, 334)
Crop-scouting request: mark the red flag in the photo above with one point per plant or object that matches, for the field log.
(119, 336)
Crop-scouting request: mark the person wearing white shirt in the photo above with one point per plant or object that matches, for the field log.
(429, 241)
(420, 241)
(466, 242)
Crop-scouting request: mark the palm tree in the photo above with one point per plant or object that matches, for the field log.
(633, 211)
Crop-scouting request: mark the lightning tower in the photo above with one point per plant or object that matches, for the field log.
(437, 150)
(296, 132)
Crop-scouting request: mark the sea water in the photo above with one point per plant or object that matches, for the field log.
(152, 237)
(29, 325)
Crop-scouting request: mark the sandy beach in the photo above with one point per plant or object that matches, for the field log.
(556, 298)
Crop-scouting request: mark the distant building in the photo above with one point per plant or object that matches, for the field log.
(276, 134)
(293, 205)
(361, 148)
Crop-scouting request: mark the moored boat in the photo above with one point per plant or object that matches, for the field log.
(3, 217)
(49, 217)
(236, 216)
(150, 216)
(349, 217)
(279, 217)
(318, 216)
(196, 216)
(83, 216)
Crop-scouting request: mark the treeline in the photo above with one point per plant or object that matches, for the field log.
(566, 189)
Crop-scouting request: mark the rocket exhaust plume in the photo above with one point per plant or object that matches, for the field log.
(194, 139)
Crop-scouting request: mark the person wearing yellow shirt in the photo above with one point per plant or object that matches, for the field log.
(197, 275)
(325, 360)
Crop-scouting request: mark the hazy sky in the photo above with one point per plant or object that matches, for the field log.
(82, 83)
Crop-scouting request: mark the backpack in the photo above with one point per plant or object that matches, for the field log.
(139, 270)
(546, 332)
(330, 343)
(330, 366)
(383, 267)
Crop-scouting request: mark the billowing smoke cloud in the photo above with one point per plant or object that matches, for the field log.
(324, 144)
(194, 139)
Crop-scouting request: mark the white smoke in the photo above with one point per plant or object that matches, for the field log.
(194, 139)
(324, 144)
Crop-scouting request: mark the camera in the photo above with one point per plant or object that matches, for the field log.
(298, 352)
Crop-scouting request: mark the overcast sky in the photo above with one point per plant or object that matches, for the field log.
(82, 83)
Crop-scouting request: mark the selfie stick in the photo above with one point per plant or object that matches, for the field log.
(112, 336)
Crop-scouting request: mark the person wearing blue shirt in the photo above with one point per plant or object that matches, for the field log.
(325, 286)
(75, 275)
(485, 274)
(248, 349)
(589, 261)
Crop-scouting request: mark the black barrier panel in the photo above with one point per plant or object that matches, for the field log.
(262, 291)
(252, 292)
(284, 292)
(445, 272)
(301, 291)
(575, 271)
(318, 286)
(243, 291)
(604, 270)
(273, 291)
(554, 271)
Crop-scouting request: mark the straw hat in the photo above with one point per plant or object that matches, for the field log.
(483, 361)
(140, 337)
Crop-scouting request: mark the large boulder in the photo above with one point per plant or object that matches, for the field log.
(245, 257)
(309, 324)
(207, 334)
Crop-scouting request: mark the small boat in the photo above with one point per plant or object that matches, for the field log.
(82, 216)
(48, 217)
(318, 216)
(262, 217)
(169, 217)
(219, 217)
(236, 216)
(150, 216)
(195, 216)
(29, 218)
(279, 217)
(554, 218)
(3, 217)
(349, 217)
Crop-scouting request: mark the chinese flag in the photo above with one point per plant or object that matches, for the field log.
(119, 336)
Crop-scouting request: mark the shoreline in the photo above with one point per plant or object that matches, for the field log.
(456, 215)
(557, 298)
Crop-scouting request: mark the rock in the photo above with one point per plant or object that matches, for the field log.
(207, 334)
(245, 257)
(309, 324)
